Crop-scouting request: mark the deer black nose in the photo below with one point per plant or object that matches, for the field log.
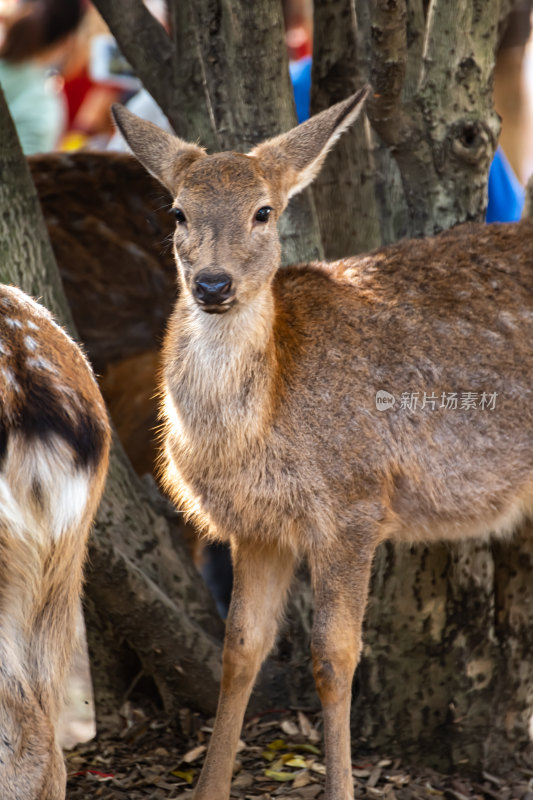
(212, 288)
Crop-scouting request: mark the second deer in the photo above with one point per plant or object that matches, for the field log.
(54, 442)
(321, 409)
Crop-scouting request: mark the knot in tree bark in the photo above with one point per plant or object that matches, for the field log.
(470, 141)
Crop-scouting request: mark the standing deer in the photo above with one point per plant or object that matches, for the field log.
(54, 442)
(284, 398)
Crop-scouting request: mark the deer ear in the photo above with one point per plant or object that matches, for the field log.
(165, 156)
(294, 159)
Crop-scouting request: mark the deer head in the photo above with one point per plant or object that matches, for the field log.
(227, 205)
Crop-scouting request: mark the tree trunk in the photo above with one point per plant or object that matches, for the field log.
(139, 570)
(424, 687)
(512, 703)
(26, 258)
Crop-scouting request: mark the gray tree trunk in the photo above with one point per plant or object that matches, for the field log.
(433, 106)
(345, 191)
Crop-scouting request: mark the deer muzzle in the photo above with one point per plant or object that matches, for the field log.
(213, 291)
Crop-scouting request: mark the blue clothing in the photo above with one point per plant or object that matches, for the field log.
(506, 193)
(301, 84)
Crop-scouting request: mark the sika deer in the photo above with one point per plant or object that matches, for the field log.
(272, 391)
(54, 441)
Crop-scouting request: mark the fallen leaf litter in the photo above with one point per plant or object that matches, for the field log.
(280, 758)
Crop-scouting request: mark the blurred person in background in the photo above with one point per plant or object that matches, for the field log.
(32, 35)
(513, 90)
(298, 19)
(88, 90)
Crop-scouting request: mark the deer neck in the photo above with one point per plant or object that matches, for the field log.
(219, 371)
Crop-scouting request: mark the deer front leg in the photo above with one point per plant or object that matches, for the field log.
(261, 579)
(341, 589)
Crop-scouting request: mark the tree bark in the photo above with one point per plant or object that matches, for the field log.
(425, 684)
(528, 205)
(26, 257)
(139, 571)
(345, 190)
(511, 708)
(443, 133)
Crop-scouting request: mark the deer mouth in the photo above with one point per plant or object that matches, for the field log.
(217, 308)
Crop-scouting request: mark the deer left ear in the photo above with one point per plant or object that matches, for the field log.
(292, 160)
(165, 156)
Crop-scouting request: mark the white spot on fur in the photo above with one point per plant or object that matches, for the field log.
(31, 325)
(30, 343)
(13, 323)
(9, 379)
(41, 363)
(72, 398)
(507, 319)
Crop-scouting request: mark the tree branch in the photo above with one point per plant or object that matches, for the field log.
(388, 68)
(146, 45)
(348, 176)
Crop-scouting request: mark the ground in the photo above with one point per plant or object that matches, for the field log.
(280, 756)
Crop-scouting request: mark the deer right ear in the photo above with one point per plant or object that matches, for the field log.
(291, 161)
(165, 156)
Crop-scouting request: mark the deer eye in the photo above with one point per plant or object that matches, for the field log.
(179, 215)
(263, 214)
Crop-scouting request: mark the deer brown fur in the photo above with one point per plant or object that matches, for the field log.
(54, 441)
(272, 435)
